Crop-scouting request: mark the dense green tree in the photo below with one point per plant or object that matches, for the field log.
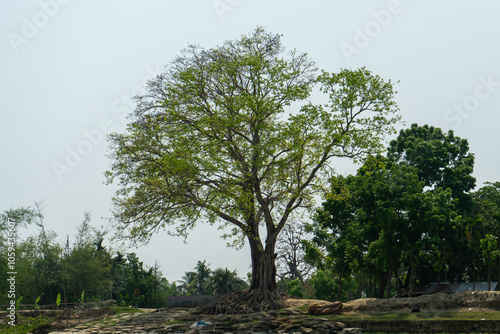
(378, 220)
(216, 137)
(487, 206)
(487, 220)
(490, 252)
(294, 288)
(39, 266)
(136, 285)
(324, 285)
(443, 160)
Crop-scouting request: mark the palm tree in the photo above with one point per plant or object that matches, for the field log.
(188, 283)
(225, 281)
(203, 273)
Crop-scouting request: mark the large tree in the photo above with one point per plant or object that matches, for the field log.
(221, 137)
(443, 160)
(376, 222)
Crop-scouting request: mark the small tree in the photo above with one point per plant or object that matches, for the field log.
(490, 253)
(291, 264)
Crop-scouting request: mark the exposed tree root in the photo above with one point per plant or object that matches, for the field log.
(244, 302)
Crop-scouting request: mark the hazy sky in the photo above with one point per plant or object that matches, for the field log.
(69, 67)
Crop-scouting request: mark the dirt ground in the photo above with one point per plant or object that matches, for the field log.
(440, 302)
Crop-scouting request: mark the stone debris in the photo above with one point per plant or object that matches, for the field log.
(182, 321)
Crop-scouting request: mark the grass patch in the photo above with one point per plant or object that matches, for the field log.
(176, 322)
(102, 323)
(107, 324)
(303, 308)
(122, 309)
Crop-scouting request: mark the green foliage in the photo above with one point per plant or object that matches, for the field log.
(487, 207)
(489, 247)
(219, 281)
(202, 275)
(61, 273)
(294, 288)
(324, 285)
(58, 300)
(225, 281)
(27, 325)
(215, 138)
(442, 159)
(380, 221)
(36, 306)
(410, 214)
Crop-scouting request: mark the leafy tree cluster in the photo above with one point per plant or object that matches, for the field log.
(46, 268)
(204, 280)
(406, 220)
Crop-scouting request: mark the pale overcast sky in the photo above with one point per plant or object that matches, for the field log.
(69, 67)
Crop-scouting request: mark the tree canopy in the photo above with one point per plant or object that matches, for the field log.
(408, 219)
(378, 219)
(443, 160)
(221, 136)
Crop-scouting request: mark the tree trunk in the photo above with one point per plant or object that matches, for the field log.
(370, 286)
(382, 283)
(489, 273)
(388, 285)
(263, 266)
(263, 294)
(340, 287)
(412, 276)
(474, 275)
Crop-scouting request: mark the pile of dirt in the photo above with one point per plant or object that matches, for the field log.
(292, 303)
(440, 302)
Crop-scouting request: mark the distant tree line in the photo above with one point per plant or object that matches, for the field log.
(46, 268)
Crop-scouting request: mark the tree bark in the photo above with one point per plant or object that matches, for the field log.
(370, 285)
(340, 287)
(388, 285)
(412, 276)
(489, 273)
(382, 284)
(263, 266)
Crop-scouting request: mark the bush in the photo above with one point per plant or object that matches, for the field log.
(294, 288)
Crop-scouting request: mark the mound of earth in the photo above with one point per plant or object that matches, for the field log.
(440, 302)
(292, 303)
